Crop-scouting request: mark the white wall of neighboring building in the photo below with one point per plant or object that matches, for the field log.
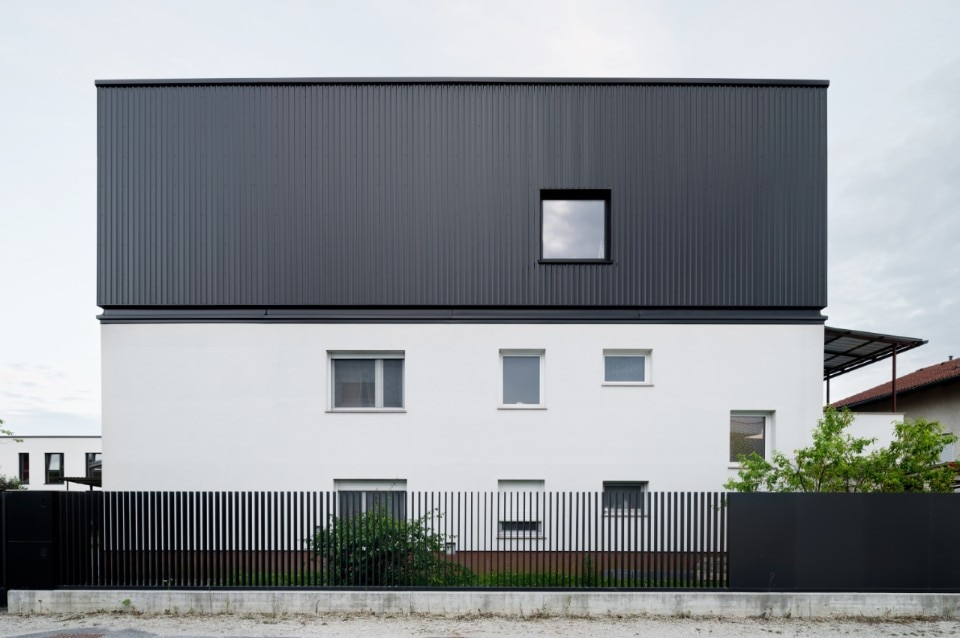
(875, 425)
(245, 406)
(73, 448)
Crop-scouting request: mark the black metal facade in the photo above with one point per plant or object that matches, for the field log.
(425, 194)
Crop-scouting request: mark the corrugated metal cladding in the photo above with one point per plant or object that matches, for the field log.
(427, 194)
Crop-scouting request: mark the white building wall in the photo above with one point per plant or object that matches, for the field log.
(875, 425)
(73, 448)
(245, 406)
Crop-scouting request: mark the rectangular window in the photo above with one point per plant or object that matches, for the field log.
(359, 496)
(24, 463)
(520, 505)
(94, 465)
(624, 497)
(575, 225)
(54, 468)
(748, 435)
(626, 367)
(366, 380)
(522, 376)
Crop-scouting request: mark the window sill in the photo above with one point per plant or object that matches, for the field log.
(600, 262)
(630, 384)
(521, 406)
(367, 411)
(510, 537)
(625, 514)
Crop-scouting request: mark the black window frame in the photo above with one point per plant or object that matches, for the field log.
(91, 460)
(23, 467)
(46, 468)
(579, 194)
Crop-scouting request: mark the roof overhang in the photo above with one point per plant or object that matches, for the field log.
(848, 350)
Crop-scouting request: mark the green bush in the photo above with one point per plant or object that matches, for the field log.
(374, 549)
(10, 483)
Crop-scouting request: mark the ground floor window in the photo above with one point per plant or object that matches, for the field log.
(624, 497)
(54, 468)
(94, 465)
(360, 496)
(520, 505)
(24, 467)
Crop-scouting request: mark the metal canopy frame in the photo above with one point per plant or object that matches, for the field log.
(848, 350)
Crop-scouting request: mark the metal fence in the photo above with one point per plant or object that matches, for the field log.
(390, 539)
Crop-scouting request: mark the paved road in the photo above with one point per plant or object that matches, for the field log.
(136, 626)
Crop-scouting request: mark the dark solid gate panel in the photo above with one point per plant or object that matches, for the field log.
(30, 540)
(844, 542)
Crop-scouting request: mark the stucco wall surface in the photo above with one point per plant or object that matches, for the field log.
(246, 406)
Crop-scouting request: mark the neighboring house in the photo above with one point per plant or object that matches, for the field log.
(458, 284)
(42, 462)
(931, 393)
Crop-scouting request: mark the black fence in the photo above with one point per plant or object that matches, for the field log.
(369, 539)
(543, 540)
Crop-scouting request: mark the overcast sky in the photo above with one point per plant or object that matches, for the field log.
(894, 135)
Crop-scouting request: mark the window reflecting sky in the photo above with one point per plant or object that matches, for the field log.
(574, 229)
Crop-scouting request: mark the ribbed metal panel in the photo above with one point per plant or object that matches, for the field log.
(427, 194)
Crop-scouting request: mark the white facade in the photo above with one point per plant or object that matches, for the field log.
(243, 406)
(37, 448)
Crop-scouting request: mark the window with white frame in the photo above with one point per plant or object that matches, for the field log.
(626, 367)
(749, 434)
(388, 496)
(366, 381)
(520, 504)
(521, 372)
(624, 497)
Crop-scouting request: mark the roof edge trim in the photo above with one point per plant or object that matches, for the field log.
(461, 80)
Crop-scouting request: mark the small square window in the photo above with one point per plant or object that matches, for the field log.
(366, 381)
(522, 375)
(748, 435)
(54, 468)
(624, 497)
(626, 367)
(575, 225)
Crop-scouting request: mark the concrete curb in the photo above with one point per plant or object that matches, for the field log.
(506, 603)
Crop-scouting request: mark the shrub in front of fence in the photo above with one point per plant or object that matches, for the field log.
(375, 549)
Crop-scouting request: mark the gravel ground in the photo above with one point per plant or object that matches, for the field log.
(129, 625)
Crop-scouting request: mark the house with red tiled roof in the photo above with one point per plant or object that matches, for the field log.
(932, 393)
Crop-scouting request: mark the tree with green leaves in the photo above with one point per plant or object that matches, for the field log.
(839, 462)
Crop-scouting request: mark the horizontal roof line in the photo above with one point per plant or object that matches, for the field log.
(461, 80)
